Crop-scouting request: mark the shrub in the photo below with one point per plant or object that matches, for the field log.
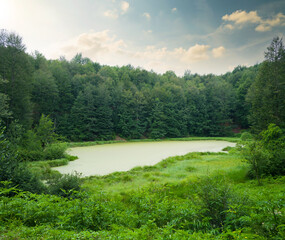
(266, 155)
(30, 155)
(30, 148)
(216, 199)
(55, 151)
(15, 172)
(246, 136)
(65, 185)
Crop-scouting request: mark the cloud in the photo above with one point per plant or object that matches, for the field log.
(173, 9)
(192, 54)
(147, 16)
(114, 13)
(106, 48)
(96, 45)
(195, 53)
(111, 14)
(124, 6)
(229, 26)
(240, 18)
(93, 45)
(266, 25)
(218, 52)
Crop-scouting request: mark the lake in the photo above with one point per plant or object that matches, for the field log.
(108, 158)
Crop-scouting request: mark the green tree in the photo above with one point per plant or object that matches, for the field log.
(82, 114)
(44, 94)
(266, 155)
(267, 94)
(92, 114)
(15, 172)
(130, 117)
(16, 68)
(45, 131)
(4, 104)
(158, 126)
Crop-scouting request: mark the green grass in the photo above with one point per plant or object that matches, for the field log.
(43, 170)
(154, 202)
(171, 170)
(85, 144)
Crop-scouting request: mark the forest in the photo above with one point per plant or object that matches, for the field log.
(48, 105)
(87, 101)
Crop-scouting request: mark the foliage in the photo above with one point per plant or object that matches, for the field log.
(246, 136)
(89, 102)
(266, 155)
(45, 131)
(16, 69)
(41, 143)
(267, 93)
(154, 212)
(84, 101)
(55, 151)
(13, 171)
(64, 185)
(214, 195)
(4, 106)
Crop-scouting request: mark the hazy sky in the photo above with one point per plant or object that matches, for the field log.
(204, 36)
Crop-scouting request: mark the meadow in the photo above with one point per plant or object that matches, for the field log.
(194, 196)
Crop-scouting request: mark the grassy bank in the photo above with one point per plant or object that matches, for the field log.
(85, 144)
(195, 196)
(171, 170)
(43, 168)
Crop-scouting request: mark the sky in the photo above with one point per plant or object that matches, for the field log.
(203, 36)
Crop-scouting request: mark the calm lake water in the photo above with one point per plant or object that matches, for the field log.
(108, 158)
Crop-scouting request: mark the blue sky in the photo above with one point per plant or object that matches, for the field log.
(203, 36)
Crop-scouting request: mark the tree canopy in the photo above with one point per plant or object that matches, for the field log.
(88, 101)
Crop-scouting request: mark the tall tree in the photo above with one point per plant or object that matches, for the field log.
(44, 93)
(16, 68)
(4, 104)
(267, 93)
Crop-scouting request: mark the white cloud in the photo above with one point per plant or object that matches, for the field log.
(93, 45)
(229, 26)
(192, 54)
(240, 18)
(106, 48)
(147, 16)
(114, 13)
(266, 25)
(263, 28)
(173, 9)
(111, 14)
(218, 52)
(124, 6)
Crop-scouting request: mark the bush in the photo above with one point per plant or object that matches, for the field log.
(266, 155)
(246, 136)
(15, 172)
(55, 151)
(216, 200)
(30, 155)
(30, 148)
(65, 185)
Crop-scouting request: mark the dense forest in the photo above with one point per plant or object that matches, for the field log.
(46, 103)
(88, 101)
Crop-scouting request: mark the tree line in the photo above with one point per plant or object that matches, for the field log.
(88, 101)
